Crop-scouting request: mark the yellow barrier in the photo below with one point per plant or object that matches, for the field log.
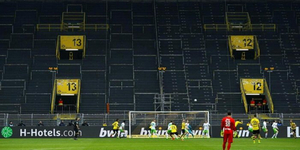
(57, 48)
(269, 97)
(49, 27)
(53, 97)
(263, 27)
(257, 52)
(78, 96)
(216, 27)
(61, 27)
(258, 27)
(243, 96)
(230, 47)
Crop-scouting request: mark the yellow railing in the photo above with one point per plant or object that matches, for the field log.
(96, 27)
(57, 47)
(84, 47)
(263, 27)
(49, 27)
(227, 22)
(78, 96)
(257, 52)
(244, 96)
(53, 97)
(260, 27)
(269, 97)
(216, 27)
(61, 27)
(249, 19)
(230, 47)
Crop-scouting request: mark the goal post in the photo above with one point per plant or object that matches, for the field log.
(139, 122)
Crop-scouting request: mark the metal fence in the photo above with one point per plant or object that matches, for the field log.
(100, 119)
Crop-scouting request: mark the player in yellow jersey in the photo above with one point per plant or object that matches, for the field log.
(293, 128)
(256, 129)
(182, 129)
(115, 127)
(237, 123)
(173, 130)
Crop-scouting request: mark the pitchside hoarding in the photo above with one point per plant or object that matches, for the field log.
(105, 132)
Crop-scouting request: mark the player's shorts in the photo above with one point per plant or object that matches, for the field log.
(169, 131)
(172, 133)
(275, 130)
(205, 131)
(115, 130)
(265, 129)
(121, 130)
(294, 130)
(256, 131)
(76, 130)
(153, 131)
(228, 136)
(183, 131)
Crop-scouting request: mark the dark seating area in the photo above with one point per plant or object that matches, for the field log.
(121, 63)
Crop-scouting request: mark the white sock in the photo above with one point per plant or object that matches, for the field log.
(266, 135)
(167, 136)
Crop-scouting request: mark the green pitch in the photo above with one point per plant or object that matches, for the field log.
(145, 144)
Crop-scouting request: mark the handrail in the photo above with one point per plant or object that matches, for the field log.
(57, 47)
(257, 52)
(84, 47)
(243, 96)
(215, 27)
(60, 27)
(53, 96)
(230, 47)
(269, 97)
(78, 96)
(261, 27)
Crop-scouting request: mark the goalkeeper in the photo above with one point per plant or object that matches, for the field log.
(189, 129)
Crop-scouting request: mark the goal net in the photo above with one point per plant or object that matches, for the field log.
(139, 122)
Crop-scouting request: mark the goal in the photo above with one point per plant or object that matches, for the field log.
(139, 122)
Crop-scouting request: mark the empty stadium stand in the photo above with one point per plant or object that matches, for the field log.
(121, 64)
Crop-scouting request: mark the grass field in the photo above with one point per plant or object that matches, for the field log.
(145, 144)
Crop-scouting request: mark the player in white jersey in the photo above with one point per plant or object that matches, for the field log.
(169, 129)
(250, 129)
(122, 129)
(275, 129)
(153, 129)
(265, 129)
(206, 126)
(189, 129)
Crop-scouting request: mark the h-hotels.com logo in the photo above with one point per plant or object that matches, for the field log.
(6, 132)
